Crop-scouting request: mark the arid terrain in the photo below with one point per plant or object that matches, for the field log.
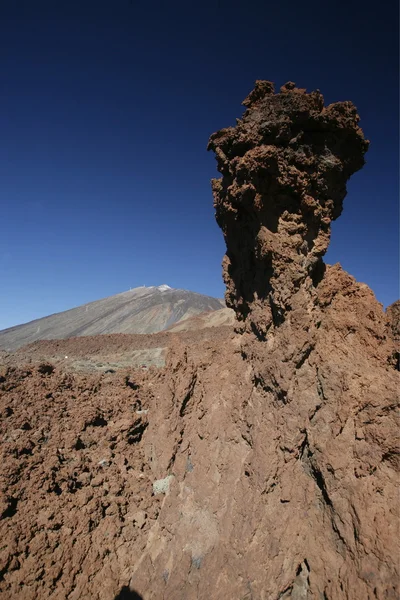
(254, 460)
(71, 446)
(140, 310)
(108, 353)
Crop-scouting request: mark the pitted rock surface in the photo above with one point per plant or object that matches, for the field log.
(393, 314)
(284, 171)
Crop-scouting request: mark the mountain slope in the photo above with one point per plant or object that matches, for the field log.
(216, 318)
(141, 310)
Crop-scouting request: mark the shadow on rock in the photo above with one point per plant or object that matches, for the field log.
(128, 594)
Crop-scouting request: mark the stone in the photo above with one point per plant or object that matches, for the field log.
(161, 486)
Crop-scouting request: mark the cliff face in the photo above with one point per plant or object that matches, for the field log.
(258, 466)
(393, 314)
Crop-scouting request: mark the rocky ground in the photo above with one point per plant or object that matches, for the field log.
(260, 462)
(109, 353)
(147, 476)
(79, 495)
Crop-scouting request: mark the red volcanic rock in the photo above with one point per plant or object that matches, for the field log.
(393, 314)
(284, 171)
(257, 465)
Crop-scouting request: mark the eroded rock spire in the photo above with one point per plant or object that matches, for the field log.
(284, 171)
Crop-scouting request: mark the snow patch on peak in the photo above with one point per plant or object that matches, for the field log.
(164, 287)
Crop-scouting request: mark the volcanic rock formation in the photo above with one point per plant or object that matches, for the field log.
(393, 313)
(285, 167)
(259, 465)
(283, 447)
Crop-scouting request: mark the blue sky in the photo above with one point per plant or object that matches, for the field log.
(107, 107)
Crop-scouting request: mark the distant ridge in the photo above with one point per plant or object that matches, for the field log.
(139, 310)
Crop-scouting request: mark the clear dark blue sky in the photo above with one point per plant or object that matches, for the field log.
(106, 109)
